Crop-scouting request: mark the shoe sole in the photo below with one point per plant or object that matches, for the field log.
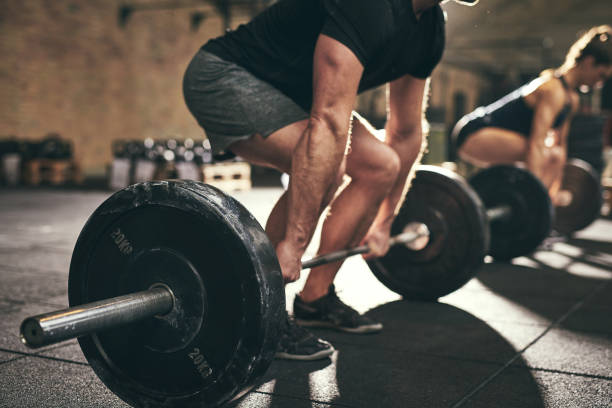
(372, 328)
(317, 356)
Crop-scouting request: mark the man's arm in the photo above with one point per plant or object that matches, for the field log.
(404, 133)
(318, 155)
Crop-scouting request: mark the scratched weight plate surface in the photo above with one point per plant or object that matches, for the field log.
(215, 257)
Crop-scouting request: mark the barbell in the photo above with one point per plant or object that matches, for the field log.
(176, 295)
(504, 211)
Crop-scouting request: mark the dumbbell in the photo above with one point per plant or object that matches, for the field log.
(583, 186)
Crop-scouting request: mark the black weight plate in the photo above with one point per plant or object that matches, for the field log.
(532, 210)
(217, 259)
(583, 182)
(458, 238)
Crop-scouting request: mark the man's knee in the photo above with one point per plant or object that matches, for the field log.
(391, 168)
(382, 169)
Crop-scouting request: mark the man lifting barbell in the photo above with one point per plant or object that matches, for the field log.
(531, 124)
(279, 92)
(177, 296)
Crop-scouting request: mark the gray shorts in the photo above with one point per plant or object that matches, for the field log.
(231, 104)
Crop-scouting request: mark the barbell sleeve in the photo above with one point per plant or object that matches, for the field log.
(53, 327)
(406, 237)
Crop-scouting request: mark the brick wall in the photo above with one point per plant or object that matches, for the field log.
(68, 66)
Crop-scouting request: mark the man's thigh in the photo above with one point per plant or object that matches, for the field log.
(233, 105)
(273, 151)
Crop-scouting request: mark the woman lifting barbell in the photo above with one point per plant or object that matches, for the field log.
(531, 124)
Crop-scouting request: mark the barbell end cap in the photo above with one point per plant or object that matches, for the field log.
(421, 240)
(31, 333)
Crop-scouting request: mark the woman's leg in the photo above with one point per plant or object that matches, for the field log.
(490, 145)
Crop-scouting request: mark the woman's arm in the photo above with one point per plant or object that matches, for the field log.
(562, 153)
(542, 152)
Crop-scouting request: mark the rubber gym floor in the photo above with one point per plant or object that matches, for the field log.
(533, 333)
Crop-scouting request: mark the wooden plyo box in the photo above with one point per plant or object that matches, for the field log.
(228, 176)
(51, 171)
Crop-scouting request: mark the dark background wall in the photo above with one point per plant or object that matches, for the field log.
(71, 67)
(76, 68)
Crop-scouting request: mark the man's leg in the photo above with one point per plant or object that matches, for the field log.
(275, 151)
(373, 167)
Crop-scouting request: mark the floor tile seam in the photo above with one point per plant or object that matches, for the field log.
(19, 357)
(332, 404)
(40, 350)
(584, 331)
(46, 350)
(520, 353)
(58, 359)
(592, 294)
(572, 373)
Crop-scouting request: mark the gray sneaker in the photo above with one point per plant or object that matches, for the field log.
(297, 343)
(329, 311)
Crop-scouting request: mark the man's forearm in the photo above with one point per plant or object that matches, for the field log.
(314, 170)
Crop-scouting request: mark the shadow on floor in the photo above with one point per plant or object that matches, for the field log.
(574, 274)
(428, 355)
(591, 246)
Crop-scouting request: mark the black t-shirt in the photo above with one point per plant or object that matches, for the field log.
(277, 46)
